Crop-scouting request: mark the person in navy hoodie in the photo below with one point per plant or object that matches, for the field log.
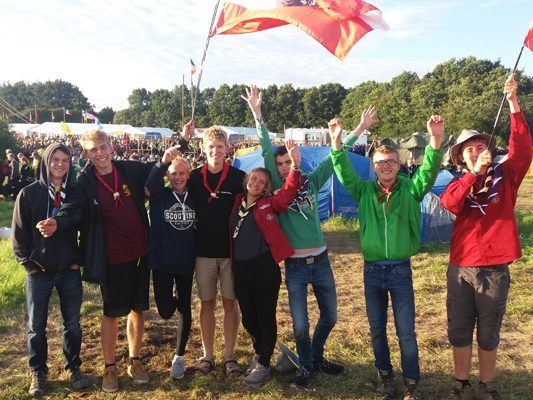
(258, 246)
(171, 256)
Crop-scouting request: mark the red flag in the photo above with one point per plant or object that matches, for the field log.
(336, 24)
(528, 41)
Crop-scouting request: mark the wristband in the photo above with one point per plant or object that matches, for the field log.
(259, 120)
(473, 170)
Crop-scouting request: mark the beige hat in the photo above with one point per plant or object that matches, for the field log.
(466, 135)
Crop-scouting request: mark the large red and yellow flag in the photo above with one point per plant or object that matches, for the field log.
(337, 24)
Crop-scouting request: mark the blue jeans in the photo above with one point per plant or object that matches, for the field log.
(320, 276)
(396, 279)
(39, 288)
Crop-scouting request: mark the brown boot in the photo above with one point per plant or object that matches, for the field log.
(137, 372)
(487, 391)
(110, 380)
(459, 391)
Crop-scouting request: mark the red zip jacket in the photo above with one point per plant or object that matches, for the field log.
(264, 214)
(482, 240)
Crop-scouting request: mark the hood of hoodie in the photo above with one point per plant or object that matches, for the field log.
(45, 163)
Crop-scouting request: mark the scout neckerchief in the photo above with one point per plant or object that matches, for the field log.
(491, 184)
(384, 196)
(301, 197)
(182, 203)
(57, 196)
(213, 193)
(243, 212)
(116, 194)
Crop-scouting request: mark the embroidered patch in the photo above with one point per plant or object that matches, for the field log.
(126, 190)
(269, 217)
(495, 200)
(264, 206)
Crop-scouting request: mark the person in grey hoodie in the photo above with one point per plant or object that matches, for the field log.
(50, 262)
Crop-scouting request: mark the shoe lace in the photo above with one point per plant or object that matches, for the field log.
(303, 372)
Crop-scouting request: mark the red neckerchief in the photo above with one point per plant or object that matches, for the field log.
(385, 193)
(115, 193)
(213, 193)
(57, 200)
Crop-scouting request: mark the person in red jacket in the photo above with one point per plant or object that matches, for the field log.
(258, 246)
(484, 241)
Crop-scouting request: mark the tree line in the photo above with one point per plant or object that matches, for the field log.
(466, 91)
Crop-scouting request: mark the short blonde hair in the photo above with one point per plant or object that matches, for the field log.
(215, 133)
(180, 160)
(386, 149)
(93, 136)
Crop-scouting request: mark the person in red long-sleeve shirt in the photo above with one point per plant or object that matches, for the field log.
(484, 242)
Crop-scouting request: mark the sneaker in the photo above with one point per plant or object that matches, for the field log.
(110, 379)
(137, 373)
(385, 386)
(38, 383)
(301, 380)
(78, 380)
(252, 364)
(328, 367)
(413, 390)
(177, 371)
(459, 391)
(487, 391)
(258, 376)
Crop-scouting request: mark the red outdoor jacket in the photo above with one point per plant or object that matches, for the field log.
(482, 240)
(265, 215)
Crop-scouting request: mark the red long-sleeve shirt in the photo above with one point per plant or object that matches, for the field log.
(482, 240)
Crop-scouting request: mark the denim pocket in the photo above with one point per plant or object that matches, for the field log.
(402, 271)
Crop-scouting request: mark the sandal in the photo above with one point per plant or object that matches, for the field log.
(205, 366)
(233, 369)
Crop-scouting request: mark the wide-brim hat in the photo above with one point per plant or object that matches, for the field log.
(465, 136)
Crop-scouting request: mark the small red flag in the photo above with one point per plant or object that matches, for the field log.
(336, 24)
(528, 41)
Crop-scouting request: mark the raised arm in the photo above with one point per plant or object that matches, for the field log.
(155, 182)
(254, 98)
(283, 197)
(426, 174)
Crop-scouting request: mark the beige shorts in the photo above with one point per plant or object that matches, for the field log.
(207, 272)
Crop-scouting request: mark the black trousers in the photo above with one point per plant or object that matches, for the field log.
(167, 302)
(257, 285)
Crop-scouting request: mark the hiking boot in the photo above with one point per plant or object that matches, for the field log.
(252, 364)
(38, 383)
(385, 386)
(328, 367)
(487, 391)
(301, 380)
(110, 379)
(137, 373)
(78, 380)
(413, 390)
(459, 391)
(177, 371)
(259, 375)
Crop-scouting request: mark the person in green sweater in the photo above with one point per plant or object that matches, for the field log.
(389, 226)
(310, 264)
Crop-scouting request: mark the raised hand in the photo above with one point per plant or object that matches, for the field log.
(435, 126)
(483, 162)
(368, 117)
(188, 130)
(510, 88)
(170, 154)
(294, 152)
(335, 132)
(254, 98)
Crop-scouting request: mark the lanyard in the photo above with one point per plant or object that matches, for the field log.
(182, 203)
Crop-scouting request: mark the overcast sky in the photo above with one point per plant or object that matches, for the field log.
(108, 48)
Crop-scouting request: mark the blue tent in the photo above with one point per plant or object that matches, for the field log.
(333, 199)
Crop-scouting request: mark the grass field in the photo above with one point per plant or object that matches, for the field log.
(348, 344)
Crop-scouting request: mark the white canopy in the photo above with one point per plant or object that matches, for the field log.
(78, 129)
(21, 128)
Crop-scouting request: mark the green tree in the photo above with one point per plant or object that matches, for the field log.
(6, 139)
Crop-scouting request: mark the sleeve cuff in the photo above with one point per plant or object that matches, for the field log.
(336, 153)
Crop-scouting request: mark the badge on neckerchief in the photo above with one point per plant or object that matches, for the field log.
(491, 185)
(114, 191)
(301, 197)
(213, 192)
(384, 196)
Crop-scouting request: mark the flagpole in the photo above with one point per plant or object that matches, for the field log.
(63, 114)
(204, 55)
(503, 97)
(183, 101)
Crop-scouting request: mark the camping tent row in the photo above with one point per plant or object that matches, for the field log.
(53, 129)
(413, 146)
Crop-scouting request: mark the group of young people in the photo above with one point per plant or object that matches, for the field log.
(217, 224)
